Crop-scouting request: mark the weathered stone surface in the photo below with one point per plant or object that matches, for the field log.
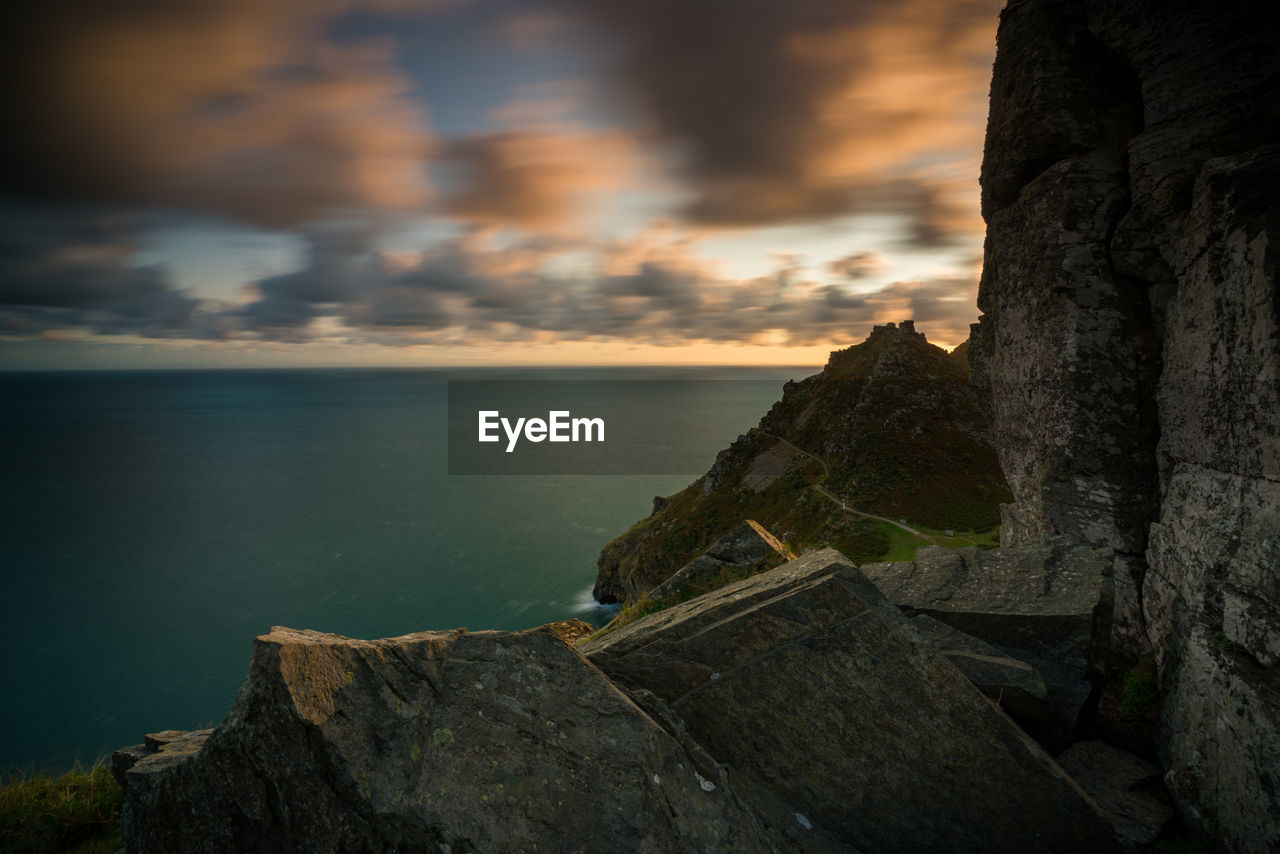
(899, 751)
(1018, 687)
(1129, 351)
(1038, 598)
(1122, 785)
(994, 673)
(438, 741)
(746, 549)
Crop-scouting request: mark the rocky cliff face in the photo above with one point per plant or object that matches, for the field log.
(890, 426)
(1129, 353)
(797, 710)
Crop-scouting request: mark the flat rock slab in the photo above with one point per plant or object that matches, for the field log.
(1122, 785)
(1001, 677)
(438, 741)
(815, 691)
(1038, 598)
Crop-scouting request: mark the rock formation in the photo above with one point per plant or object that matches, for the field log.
(745, 550)
(890, 426)
(1029, 625)
(1129, 353)
(795, 710)
(438, 741)
(814, 689)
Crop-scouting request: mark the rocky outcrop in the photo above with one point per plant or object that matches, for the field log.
(1129, 353)
(794, 710)
(437, 741)
(890, 426)
(1049, 600)
(1014, 619)
(745, 550)
(1126, 787)
(827, 705)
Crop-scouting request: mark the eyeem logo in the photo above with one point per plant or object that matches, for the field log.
(559, 426)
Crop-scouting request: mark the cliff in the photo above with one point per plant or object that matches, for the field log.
(794, 710)
(1129, 354)
(890, 427)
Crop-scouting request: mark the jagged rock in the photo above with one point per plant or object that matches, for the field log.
(1016, 685)
(1130, 354)
(1122, 785)
(1042, 606)
(1037, 598)
(438, 741)
(746, 549)
(824, 703)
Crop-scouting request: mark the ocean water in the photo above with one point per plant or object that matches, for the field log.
(153, 523)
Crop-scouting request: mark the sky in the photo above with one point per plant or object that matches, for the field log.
(220, 183)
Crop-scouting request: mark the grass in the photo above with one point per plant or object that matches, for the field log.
(902, 544)
(77, 813)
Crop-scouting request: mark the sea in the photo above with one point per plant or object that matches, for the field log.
(152, 523)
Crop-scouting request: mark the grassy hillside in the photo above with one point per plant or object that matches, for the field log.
(889, 426)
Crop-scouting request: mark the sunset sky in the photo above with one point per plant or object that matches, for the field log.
(436, 182)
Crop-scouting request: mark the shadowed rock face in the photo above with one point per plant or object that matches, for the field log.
(814, 689)
(796, 710)
(1046, 608)
(433, 741)
(1129, 352)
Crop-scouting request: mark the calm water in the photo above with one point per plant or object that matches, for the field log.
(152, 523)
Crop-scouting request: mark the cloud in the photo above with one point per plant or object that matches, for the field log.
(537, 177)
(62, 268)
(239, 107)
(808, 109)
(61, 272)
(859, 265)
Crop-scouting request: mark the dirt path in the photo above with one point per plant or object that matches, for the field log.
(826, 473)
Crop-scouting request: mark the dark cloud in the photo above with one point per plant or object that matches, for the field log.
(239, 107)
(75, 268)
(859, 265)
(797, 110)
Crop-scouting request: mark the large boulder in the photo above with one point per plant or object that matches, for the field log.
(830, 709)
(1044, 599)
(1046, 608)
(437, 741)
(1126, 787)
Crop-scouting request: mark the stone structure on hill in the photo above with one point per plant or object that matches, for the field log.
(795, 710)
(1129, 353)
(890, 426)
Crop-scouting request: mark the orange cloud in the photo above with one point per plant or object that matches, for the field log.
(809, 109)
(241, 107)
(539, 176)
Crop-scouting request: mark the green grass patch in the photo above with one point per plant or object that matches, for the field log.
(902, 544)
(78, 812)
(865, 546)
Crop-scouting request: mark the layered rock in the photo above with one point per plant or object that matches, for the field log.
(1129, 352)
(1126, 786)
(827, 706)
(745, 550)
(449, 741)
(1028, 624)
(795, 710)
